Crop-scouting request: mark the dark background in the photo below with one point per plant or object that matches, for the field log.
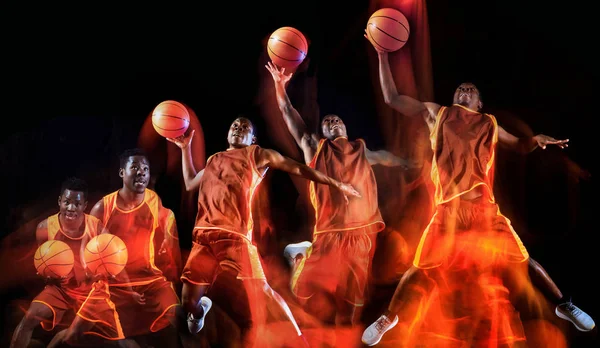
(79, 82)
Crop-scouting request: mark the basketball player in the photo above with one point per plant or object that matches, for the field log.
(464, 142)
(223, 241)
(335, 265)
(72, 226)
(144, 299)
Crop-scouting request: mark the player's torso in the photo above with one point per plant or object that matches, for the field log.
(226, 189)
(137, 228)
(345, 161)
(463, 142)
(77, 242)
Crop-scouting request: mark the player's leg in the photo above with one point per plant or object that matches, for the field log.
(36, 313)
(565, 309)
(198, 274)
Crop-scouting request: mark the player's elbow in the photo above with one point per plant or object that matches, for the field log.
(189, 187)
(286, 108)
(388, 99)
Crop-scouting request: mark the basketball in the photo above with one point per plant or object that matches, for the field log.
(170, 119)
(388, 29)
(287, 47)
(54, 259)
(105, 254)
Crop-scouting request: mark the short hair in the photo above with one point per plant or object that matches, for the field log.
(124, 157)
(75, 184)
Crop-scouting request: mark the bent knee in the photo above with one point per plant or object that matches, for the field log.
(35, 315)
(72, 336)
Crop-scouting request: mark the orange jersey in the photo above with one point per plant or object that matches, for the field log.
(226, 189)
(92, 226)
(347, 162)
(463, 143)
(143, 231)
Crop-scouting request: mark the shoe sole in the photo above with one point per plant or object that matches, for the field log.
(287, 253)
(204, 317)
(381, 336)
(562, 316)
(209, 306)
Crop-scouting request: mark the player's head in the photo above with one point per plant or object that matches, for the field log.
(241, 133)
(333, 127)
(72, 201)
(134, 170)
(468, 96)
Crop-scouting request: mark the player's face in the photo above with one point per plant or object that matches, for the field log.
(71, 206)
(467, 95)
(332, 127)
(241, 133)
(136, 174)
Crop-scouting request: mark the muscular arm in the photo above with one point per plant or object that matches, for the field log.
(191, 178)
(291, 116)
(388, 159)
(402, 103)
(295, 124)
(521, 145)
(273, 159)
(528, 144)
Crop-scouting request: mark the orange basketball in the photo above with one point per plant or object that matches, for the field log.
(54, 259)
(287, 47)
(170, 119)
(388, 29)
(105, 254)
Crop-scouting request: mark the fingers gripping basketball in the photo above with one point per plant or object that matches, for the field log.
(388, 29)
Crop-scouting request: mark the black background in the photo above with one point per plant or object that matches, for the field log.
(79, 82)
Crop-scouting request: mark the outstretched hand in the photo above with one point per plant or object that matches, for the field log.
(279, 75)
(348, 190)
(544, 140)
(184, 140)
(377, 48)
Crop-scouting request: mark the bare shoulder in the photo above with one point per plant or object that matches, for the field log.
(432, 108)
(43, 224)
(315, 139)
(432, 112)
(265, 153)
(41, 232)
(98, 209)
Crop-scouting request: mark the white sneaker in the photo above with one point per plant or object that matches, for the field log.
(196, 324)
(375, 331)
(581, 320)
(291, 251)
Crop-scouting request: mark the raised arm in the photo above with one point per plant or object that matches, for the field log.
(404, 104)
(273, 159)
(191, 177)
(528, 144)
(292, 118)
(388, 159)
